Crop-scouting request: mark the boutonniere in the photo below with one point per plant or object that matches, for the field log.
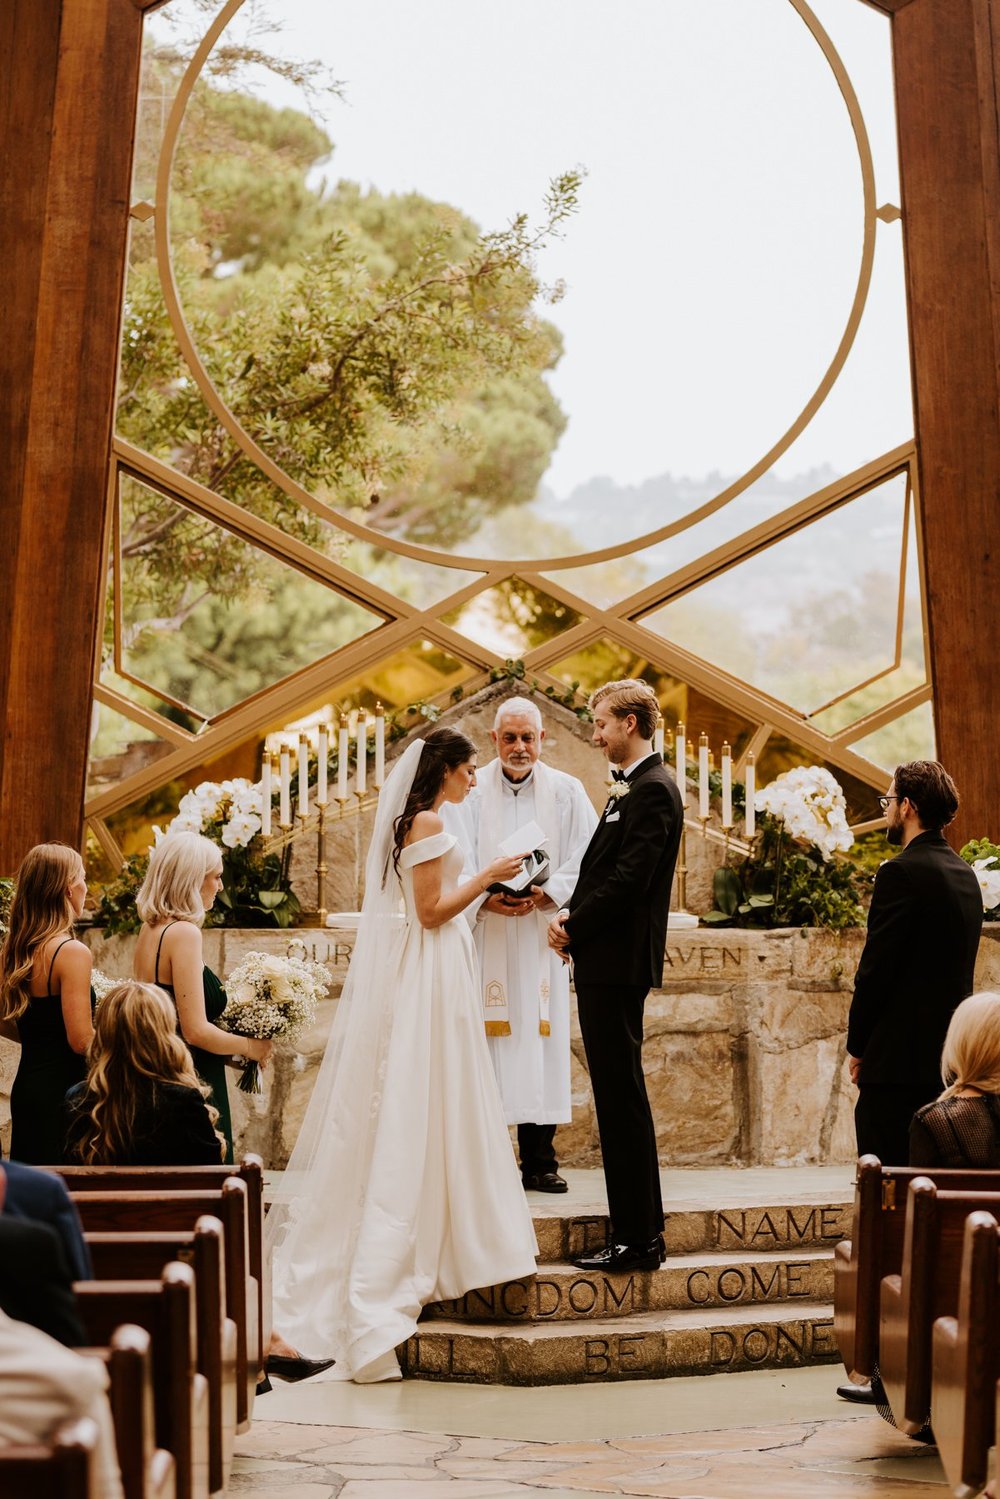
(617, 790)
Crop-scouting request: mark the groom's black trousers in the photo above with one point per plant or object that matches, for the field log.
(611, 1023)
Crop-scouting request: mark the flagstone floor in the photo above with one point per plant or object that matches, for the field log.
(772, 1434)
(769, 1434)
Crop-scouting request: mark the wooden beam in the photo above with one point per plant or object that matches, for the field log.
(68, 93)
(888, 7)
(947, 97)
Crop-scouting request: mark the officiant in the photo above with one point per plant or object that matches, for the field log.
(525, 985)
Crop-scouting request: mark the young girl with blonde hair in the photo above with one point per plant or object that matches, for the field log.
(182, 881)
(45, 997)
(962, 1127)
(142, 1103)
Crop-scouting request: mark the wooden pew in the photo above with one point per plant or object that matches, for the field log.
(61, 1469)
(123, 1256)
(966, 1362)
(926, 1288)
(193, 1179)
(165, 1308)
(148, 1471)
(155, 1212)
(875, 1249)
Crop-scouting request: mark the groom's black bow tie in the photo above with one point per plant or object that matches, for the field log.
(619, 775)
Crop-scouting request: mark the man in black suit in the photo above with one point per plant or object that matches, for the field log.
(615, 930)
(36, 1282)
(918, 962)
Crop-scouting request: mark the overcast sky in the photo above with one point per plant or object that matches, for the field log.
(712, 264)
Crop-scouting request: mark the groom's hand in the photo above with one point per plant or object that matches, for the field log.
(558, 935)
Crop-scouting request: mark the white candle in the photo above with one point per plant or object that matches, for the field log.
(265, 796)
(680, 742)
(379, 746)
(727, 786)
(343, 745)
(285, 788)
(703, 807)
(303, 775)
(658, 735)
(750, 815)
(362, 777)
(323, 750)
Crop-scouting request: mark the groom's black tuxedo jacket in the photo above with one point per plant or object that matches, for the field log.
(617, 920)
(918, 963)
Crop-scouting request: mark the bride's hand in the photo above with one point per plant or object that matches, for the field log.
(501, 870)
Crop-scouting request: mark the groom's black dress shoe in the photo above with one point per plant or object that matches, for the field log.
(294, 1369)
(545, 1181)
(622, 1257)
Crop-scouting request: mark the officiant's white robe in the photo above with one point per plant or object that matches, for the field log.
(532, 1070)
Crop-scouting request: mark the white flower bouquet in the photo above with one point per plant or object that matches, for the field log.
(102, 984)
(269, 996)
(809, 801)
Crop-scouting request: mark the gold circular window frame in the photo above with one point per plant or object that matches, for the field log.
(252, 450)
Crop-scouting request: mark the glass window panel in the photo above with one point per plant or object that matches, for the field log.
(119, 748)
(421, 584)
(810, 616)
(209, 619)
(417, 674)
(777, 295)
(512, 618)
(908, 738)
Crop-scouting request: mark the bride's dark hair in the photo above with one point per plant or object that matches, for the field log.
(443, 750)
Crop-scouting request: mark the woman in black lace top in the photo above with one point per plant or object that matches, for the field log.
(962, 1127)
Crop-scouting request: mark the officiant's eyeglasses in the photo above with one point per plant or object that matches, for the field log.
(884, 801)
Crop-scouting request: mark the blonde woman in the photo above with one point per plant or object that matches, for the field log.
(182, 881)
(46, 1000)
(962, 1127)
(142, 1103)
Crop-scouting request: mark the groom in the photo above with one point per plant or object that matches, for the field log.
(615, 929)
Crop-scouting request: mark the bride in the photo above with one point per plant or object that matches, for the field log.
(402, 1187)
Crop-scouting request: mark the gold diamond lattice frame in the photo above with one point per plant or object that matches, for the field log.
(405, 625)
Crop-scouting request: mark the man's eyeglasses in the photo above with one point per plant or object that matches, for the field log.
(884, 801)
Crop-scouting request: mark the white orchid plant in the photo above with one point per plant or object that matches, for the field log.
(984, 856)
(256, 888)
(793, 876)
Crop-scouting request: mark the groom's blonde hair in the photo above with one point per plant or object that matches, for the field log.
(629, 695)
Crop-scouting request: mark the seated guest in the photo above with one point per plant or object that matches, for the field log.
(44, 1198)
(43, 1385)
(45, 997)
(36, 1283)
(142, 1103)
(962, 1127)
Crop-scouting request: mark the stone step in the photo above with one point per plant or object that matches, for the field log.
(649, 1345)
(690, 1230)
(561, 1293)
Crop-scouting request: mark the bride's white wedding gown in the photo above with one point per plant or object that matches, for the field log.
(414, 1195)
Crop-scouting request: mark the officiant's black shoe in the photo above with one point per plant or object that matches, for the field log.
(545, 1181)
(294, 1369)
(618, 1258)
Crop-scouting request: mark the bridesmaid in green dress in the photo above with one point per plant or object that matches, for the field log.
(182, 881)
(45, 998)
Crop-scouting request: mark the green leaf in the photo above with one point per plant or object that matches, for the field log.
(271, 899)
(759, 901)
(726, 891)
(717, 918)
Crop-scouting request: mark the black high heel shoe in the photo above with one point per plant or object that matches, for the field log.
(294, 1369)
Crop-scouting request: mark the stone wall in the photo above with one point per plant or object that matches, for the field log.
(744, 1049)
